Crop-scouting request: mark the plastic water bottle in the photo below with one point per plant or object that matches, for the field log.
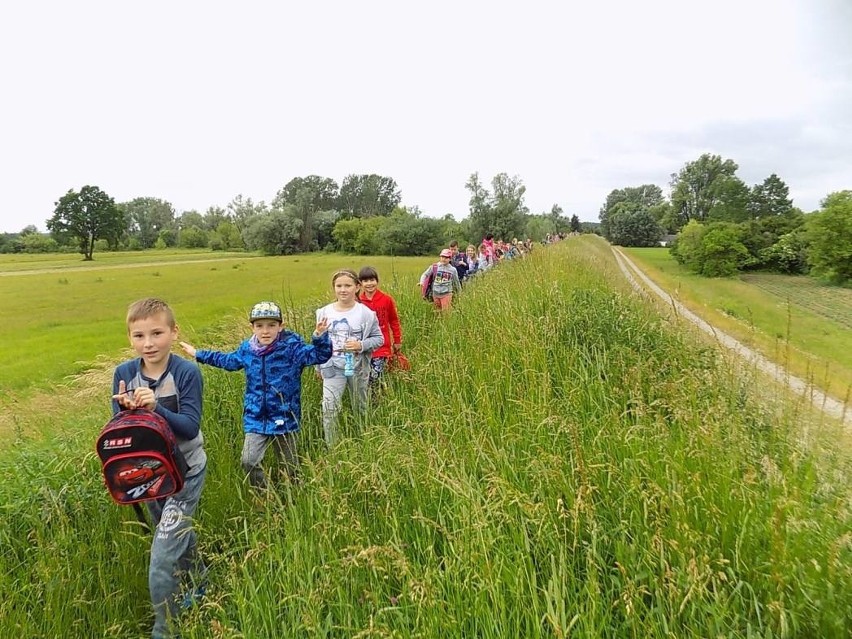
(348, 364)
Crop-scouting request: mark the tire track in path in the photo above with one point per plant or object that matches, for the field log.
(820, 400)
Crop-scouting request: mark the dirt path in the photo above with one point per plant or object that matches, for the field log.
(110, 267)
(819, 399)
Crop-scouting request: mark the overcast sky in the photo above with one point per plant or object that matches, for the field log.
(196, 102)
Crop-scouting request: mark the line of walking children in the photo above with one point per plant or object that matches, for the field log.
(353, 340)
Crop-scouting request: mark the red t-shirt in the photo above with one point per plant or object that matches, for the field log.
(384, 307)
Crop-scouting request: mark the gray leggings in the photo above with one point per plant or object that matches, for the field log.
(334, 383)
(254, 448)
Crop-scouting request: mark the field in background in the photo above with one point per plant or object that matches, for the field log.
(560, 462)
(16, 262)
(796, 321)
(57, 323)
(831, 302)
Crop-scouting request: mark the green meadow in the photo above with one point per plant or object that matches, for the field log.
(58, 322)
(793, 320)
(561, 461)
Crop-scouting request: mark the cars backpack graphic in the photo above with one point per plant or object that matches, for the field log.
(140, 457)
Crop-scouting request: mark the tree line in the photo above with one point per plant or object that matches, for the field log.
(363, 215)
(716, 225)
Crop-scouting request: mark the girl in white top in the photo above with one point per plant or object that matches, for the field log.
(354, 329)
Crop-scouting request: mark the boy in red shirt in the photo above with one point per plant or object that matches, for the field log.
(384, 306)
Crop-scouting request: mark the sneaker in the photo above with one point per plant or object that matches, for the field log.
(193, 598)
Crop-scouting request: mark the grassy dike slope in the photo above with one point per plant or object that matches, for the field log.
(560, 462)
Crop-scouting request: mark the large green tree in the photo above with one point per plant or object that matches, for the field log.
(501, 212)
(241, 211)
(308, 196)
(86, 217)
(633, 225)
(770, 199)
(559, 221)
(575, 223)
(644, 196)
(830, 236)
(273, 233)
(367, 195)
(708, 190)
(146, 217)
(215, 216)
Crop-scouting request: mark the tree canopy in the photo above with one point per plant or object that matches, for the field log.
(86, 217)
(708, 190)
(501, 212)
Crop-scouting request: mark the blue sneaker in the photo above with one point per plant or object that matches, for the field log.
(193, 598)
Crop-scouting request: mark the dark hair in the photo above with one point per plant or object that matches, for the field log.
(489, 236)
(368, 273)
(454, 243)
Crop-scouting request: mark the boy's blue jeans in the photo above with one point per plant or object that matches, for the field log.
(173, 552)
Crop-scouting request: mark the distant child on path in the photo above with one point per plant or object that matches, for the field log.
(171, 387)
(384, 306)
(445, 280)
(273, 360)
(355, 334)
(472, 262)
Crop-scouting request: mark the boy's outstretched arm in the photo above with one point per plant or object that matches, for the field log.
(189, 349)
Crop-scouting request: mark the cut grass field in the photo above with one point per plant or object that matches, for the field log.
(795, 321)
(561, 461)
(57, 322)
(18, 262)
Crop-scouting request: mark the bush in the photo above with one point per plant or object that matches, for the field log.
(687, 247)
(788, 254)
(830, 239)
(714, 250)
(723, 253)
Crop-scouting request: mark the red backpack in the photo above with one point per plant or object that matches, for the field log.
(140, 457)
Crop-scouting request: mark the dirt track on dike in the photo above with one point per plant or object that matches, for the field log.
(820, 400)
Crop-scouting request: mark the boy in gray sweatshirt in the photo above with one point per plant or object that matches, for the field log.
(443, 279)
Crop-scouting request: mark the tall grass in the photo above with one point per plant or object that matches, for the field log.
(560, 463)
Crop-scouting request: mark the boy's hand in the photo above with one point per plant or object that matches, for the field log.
(322, 326)
(142, 397)
(123, 397)
(353, 345)
(189, 349)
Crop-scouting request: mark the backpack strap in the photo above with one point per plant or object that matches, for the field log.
(140, 515)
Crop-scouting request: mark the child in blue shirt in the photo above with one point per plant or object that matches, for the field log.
(273, 360)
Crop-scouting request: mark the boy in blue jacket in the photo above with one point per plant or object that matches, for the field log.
(273, 360)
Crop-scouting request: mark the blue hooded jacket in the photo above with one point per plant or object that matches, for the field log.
(273, 397)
